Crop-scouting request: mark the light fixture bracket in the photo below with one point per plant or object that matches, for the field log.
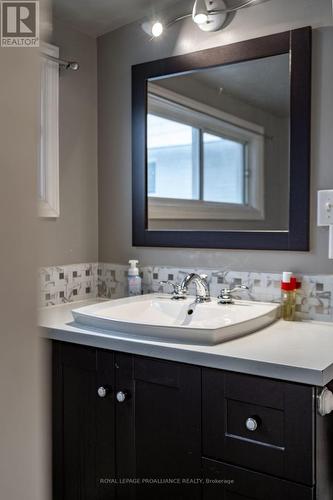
(215, 21)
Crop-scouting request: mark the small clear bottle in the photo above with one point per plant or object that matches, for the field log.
(288, 296)
(134, 280)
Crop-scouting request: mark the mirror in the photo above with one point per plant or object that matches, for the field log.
(221, 146)
(218, 148)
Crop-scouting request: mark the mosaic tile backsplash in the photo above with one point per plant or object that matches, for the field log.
(62, 284)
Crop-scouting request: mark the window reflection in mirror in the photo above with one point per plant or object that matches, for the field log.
(218, 148)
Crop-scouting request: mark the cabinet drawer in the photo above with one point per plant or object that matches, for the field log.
(260, 424)
(225, 482)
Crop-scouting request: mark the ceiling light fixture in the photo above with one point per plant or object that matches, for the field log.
(208, 15)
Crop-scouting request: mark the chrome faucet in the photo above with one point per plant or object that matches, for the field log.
(200, 282)
(179, 291)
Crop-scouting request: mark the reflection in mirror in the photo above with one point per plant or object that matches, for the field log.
(218, 148)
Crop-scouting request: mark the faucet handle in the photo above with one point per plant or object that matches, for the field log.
(177, 291)
(173, 285)
(225, 296)
(239, 288)
(203, 276)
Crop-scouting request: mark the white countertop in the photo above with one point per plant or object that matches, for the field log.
(294, 351)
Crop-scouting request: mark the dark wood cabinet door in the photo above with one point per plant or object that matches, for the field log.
(226, 482)
(282, 442)
(158, 428)
(83, 423)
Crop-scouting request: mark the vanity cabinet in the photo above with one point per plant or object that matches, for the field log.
(125, 424)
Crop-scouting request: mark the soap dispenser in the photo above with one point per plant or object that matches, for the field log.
(134, 280)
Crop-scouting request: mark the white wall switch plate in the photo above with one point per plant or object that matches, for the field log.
(325, 207)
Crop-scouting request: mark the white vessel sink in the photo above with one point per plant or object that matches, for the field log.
(156, 316)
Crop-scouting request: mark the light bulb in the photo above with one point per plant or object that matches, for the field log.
(200, 14)
(157, 29)
(200, 18)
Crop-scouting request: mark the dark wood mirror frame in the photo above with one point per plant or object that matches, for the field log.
(298, 44)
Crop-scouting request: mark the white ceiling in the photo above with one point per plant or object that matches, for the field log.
(263, 83)
(96, 17)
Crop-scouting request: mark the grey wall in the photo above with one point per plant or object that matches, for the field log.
(22, 472)
(73, 237)
(129, 45)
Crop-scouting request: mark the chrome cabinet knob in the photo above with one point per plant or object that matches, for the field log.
(103, 391)
(251, 424)
(121, 396)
